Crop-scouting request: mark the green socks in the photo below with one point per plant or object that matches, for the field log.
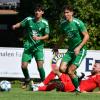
(42, 73)
(25, 72)
(75, 82)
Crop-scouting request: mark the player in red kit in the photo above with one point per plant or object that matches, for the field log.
(65, 84)
(93, 81)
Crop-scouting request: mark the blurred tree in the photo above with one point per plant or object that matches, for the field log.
(86, 10)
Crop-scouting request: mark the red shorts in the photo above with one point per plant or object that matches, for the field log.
(66, 80)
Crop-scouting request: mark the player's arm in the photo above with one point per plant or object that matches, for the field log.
(17, 25)
(23, 23)
(85, 38)
(45, 37)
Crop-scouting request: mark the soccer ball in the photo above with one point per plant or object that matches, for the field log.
(5, 85)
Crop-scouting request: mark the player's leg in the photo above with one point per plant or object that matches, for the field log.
(67, 84)
(76, 61)
(26, 57)
(41, 69)
(26, 74)
(66, 80)
(45, 85)
(39, 57)
(71, 72)
(49, 78)
(55, 71)
(60, 86)
(48, 87)
(65, 62)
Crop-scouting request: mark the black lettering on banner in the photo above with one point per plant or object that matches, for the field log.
(8, 54)
(90, 64)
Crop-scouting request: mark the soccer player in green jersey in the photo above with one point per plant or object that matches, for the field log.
(77, 35)
(37, 31)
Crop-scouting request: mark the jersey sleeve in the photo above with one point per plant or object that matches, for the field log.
(47, 29)
(24, 22)
(82, 27)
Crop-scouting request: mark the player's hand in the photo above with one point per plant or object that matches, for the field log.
(14, 27)
(77, 50)
(36, 38)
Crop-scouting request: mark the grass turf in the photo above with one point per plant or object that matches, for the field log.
(17, 93)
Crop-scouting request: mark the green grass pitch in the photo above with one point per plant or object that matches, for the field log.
(17, 93)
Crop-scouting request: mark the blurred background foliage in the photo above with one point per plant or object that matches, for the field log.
(86, 10)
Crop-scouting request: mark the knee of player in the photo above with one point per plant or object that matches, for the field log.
(39, 63)
(72, 69)
(24, 65)
(71, 73)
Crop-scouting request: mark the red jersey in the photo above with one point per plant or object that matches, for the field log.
(90, 84)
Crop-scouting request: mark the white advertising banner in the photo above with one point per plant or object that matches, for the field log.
(10, 62)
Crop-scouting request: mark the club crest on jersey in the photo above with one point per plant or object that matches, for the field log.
(34, 32)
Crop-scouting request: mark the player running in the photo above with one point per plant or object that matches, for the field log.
(37, 30)
(77, 35)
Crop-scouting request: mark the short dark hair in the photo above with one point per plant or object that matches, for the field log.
(67, 7)
(39, 7)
